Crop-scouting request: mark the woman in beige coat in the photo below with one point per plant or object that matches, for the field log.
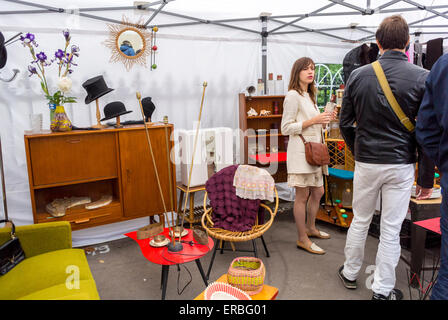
(301, 116)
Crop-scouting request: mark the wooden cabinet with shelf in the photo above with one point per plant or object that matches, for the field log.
(95, 163)
(253, 145)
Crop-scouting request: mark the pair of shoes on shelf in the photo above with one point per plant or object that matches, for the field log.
(313, 248)
(395, 294)
(349, 284)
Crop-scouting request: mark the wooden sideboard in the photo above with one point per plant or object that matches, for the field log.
(94, 163)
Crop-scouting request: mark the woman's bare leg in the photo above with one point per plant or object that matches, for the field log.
(300, 214)
(313, 208)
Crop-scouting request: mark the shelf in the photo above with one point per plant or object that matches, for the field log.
(62, 184)
(269, 157)
(76, 213)
(267, 135)
(265, 97)
(272, 116)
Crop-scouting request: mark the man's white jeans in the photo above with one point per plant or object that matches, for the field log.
(394, 181)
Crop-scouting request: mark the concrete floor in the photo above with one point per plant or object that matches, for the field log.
(121, 271)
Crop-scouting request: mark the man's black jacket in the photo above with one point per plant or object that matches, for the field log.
(368, 124)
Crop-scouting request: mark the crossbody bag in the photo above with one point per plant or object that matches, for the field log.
(316, 153)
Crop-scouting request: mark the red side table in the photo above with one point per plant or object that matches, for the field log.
(190, 252)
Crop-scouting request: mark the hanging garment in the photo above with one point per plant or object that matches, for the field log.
(359, 57)
(418, 54)
(410, 53)
(434, 50)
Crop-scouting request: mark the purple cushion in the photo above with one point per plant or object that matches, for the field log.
(230, 212)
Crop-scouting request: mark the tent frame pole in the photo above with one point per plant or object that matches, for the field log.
(264, 49)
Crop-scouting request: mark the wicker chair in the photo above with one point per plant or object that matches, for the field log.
(223, 235)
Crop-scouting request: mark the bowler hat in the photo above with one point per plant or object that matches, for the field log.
(148, 107)
(3, 55)
(96, 88)
(114, 109)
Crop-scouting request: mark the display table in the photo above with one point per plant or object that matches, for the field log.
(267, 293)
(165, 258)
(195, 214)
(420, 210)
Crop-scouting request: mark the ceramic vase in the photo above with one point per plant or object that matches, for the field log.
(60, 122)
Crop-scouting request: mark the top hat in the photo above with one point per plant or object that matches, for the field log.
(3, 55)
(96, 88)
(114, 109)
(148, 107)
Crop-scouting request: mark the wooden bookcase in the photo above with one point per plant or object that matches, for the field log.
(94, 163)
(266, 141)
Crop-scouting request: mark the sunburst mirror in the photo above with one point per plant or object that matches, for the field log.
(130, 43)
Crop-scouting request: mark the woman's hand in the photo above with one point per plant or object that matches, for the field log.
(335, 113)
(323, 118)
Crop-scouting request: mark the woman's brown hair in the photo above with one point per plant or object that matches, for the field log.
(294, 82)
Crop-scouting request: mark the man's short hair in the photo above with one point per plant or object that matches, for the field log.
(393, 33)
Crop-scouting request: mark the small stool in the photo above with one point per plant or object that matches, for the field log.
(267, 293)
(191, 217)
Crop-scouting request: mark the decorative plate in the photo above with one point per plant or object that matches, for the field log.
(224, 291)
(176, 234)
(152, 243)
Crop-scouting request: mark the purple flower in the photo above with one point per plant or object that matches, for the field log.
(28, 39)
(59, 54)
(32, 70)
(75, 50)
(41, 56)
(30, 36)
(66, 34)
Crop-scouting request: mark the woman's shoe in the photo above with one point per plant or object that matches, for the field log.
(320, 235)
(312, 249)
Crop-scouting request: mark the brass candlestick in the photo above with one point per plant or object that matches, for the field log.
(98, 124)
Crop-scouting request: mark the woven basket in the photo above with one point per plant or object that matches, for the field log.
(247, 274)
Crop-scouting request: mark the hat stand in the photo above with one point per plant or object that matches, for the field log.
(98, 124)
(118, 125)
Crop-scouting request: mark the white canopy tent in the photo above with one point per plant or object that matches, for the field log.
(217, 41)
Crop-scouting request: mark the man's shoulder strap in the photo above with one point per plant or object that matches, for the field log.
(390, 96)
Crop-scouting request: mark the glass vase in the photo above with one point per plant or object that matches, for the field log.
(60, 122)
(52, 107)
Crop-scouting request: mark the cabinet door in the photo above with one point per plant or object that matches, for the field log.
(73, 157)
(141, 195)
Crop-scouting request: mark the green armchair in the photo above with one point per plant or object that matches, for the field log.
(52, 270)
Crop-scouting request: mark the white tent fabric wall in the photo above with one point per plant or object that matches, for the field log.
(176, 88)
(228, 59)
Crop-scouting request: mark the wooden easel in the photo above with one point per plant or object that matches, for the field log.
(98, 124)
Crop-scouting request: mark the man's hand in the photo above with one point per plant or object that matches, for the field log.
(422, 193)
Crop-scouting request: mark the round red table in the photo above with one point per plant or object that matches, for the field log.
(192, 251)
